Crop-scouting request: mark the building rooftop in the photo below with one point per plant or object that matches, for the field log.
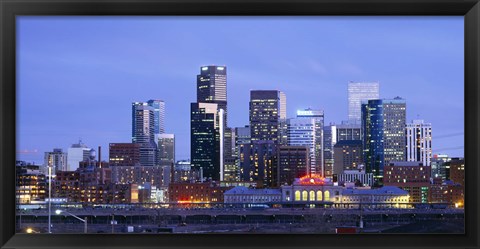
(252, 191)
(377, 191)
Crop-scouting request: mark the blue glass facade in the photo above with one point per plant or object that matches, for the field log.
(204, 140)
(372, 126)
(383, 128)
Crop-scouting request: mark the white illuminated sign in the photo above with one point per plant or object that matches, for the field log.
(304, 113)
(204, 68)
(220, 68)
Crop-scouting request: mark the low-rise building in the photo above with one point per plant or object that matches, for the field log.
(311, 188)
(242, 194)
(200, 192)
(447, 192)
(413, 177)
(385, 195)
(357, 176)
(31, 183)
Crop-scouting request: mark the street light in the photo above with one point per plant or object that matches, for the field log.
(49, 198)
(31, 230)
(58, 212)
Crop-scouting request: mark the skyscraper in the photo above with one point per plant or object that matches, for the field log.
(334, 133)
(302, 133)
(205, 139)
(267, 110)
(56, 159)
(317, 162)
(358, 92)
(158, 115)
(383, 128)
(419, 142)
(292, 162)
(212, 87)
(143, 132)
(348, 155)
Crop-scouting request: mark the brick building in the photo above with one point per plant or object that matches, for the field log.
(205, 192)
(409, 176)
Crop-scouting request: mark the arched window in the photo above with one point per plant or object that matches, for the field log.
(297, 195)
(312, 195)
(304, 195)
(327, 195)
(319, 195)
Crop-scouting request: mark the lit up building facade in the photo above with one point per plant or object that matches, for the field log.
(358, 92)
(311, 189)
(56, 159)
(158, 107)
(30, 183)
(257, 162)
(348, 155)
(334, 133)
(241, 194)
(212, 87)
(205, 140)
(242, 136)
(267, 110)
(383, 129)
(413, 177)
(124, 154)
(441, 166)
(267, 116)
(143, 132)
(140, 175)
(358, 176)
(166, 149)
(447, 192)
(419, 142)
(307, 130)
(457, 171)
(315, 190)
(196, 193)
(292, 162)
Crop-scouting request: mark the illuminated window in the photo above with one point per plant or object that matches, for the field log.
(327, 195)
(297, 195)
(312, 195)
(304, 195)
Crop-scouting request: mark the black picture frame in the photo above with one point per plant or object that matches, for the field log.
(470, 9)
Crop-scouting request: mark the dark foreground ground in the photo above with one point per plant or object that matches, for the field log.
(248, 222)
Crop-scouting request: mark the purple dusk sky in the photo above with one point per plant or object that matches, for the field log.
(77, 76)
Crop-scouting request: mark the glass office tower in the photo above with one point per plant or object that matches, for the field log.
(383, 127)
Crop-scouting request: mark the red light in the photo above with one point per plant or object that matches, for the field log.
(313, 179)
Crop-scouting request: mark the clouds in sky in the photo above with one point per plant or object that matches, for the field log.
(77, 76)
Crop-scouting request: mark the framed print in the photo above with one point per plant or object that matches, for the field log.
(264, 124)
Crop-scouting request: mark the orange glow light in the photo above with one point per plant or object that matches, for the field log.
(313, 179)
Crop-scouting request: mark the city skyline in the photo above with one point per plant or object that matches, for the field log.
(39, 131)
